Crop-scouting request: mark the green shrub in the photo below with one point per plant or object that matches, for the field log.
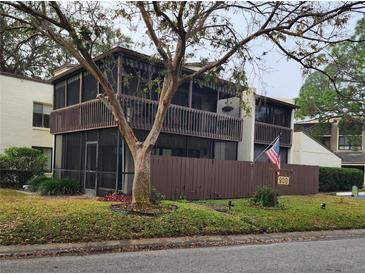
(51, 186)
(265, 196)
(339, 179)
(35, 181)
(19, 164)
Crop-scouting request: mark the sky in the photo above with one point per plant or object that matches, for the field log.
(283, 78)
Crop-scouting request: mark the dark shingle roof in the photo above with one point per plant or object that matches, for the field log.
(352, 157)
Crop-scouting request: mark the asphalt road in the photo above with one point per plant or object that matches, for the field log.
(345, 255)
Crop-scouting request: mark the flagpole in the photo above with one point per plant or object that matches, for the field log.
(267, 147)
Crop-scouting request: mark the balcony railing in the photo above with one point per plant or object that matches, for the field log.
(140, 114)
(266, 133)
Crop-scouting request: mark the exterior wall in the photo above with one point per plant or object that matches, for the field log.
(290, 149)
(16, 112)
(307, 151)
(334, 137)
(246, 146)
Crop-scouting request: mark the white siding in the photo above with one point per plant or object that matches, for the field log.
(16, 112)
(306, 151)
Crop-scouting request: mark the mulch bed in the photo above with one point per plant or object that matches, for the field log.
(116, 197)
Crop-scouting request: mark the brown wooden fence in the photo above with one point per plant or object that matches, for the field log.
(195, 179)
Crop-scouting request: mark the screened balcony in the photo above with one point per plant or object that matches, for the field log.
(266, 133)
(140, 114)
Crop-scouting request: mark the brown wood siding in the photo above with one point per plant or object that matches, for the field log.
(197, 179)
(266, 133)
(141, 113)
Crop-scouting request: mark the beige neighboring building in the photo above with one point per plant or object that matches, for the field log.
(351, 154)
(308, 151)
(25, 105)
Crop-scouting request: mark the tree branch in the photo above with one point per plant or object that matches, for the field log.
(159, 46)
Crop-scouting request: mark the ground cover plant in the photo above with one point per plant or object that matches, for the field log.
(34, 219)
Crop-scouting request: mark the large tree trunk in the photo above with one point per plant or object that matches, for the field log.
(141, 189)
(142, 177)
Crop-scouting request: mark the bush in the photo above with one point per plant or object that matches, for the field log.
(265, 196)
(339, 179)
(156, 197)
(51, 186)
(35, 181)
(19, 164)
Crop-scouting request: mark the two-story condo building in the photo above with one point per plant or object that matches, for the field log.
(25, 107)
(89, 148)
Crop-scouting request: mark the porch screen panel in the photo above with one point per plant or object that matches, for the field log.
(181, 96)
(204, 98)
(126, 167)
(109, 67)
(170, 145)
(108, 139)
(89, 87)
(200, 148)
(59, 95)
(72, 156)
(73, 90)
(225, 150)
(272, 114)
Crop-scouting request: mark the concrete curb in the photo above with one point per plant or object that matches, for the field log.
(26, 251)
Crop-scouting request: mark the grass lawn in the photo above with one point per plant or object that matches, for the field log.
(30, 219)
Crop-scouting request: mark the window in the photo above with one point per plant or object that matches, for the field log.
(41, 115)
(73, 90)
(48, 153)
(350, 136)
(349, 142)
(325, 140)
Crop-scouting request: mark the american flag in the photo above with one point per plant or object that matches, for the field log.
(274, 154)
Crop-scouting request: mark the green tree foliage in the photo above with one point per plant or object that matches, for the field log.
(26, 51)
(340, 91)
